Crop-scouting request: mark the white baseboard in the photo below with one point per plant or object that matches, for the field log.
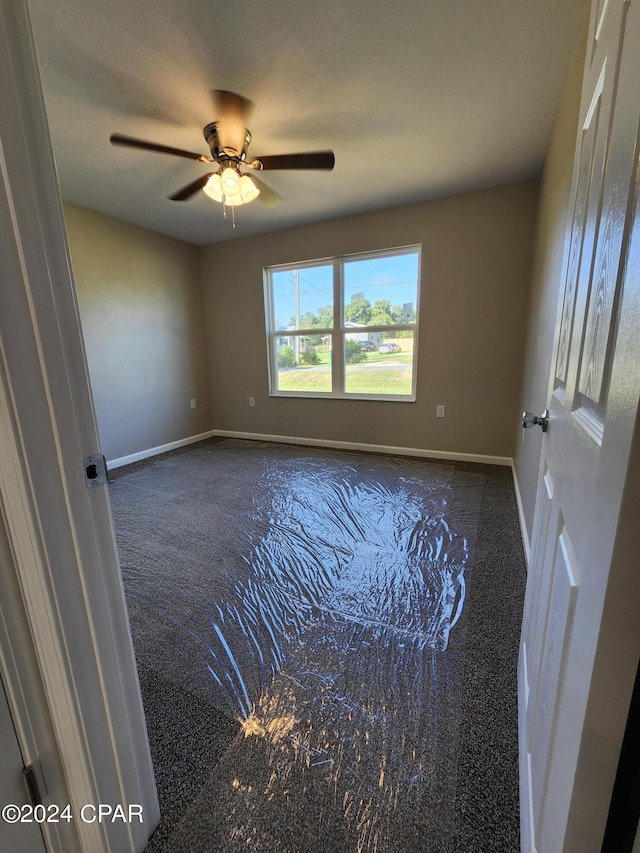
(368, 448)
(155, 451)
(523, 524)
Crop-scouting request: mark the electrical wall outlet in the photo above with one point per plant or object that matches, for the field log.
(439, 411)
(193, 404)
(252, 402)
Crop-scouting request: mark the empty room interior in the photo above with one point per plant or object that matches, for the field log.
(344, 300)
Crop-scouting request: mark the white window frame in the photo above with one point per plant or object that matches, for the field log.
(339, 331)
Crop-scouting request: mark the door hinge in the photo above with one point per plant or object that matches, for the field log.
(95, 470)
(33, 787)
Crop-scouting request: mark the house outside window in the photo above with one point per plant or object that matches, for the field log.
(344, 327)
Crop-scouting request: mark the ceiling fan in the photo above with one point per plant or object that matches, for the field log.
(228, 139)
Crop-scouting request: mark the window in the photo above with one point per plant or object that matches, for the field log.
(344, 327)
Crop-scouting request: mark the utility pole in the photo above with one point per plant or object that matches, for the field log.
(296, 278)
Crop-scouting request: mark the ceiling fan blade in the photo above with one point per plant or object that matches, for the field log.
(268, 197)
(191, 189)
(130, 142)
(310, 160)
(232, 105)
(232, 117)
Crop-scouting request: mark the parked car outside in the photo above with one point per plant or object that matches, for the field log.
(383, 349)
(368, 346)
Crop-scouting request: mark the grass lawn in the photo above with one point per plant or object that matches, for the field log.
(304, 379)
(358, 382)
(379, 382)
(394, 357)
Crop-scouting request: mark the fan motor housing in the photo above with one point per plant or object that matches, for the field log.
(217, 151)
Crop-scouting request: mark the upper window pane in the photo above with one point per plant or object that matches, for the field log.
(381, 291)
(303, 298)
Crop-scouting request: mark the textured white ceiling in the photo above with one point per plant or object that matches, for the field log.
(418, 98)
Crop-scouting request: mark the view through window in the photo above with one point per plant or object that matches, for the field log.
(345, 327)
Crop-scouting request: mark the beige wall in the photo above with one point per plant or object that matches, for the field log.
(547, 279)
(140, 302)
(477, 253)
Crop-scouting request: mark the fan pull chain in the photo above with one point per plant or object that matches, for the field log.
(233, 213)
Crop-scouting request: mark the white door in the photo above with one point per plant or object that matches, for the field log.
(571, 709)
(25, 837)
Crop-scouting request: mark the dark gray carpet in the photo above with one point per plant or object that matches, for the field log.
(356, 617)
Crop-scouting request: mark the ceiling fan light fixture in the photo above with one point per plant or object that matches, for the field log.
(231, 188)
(213, 188)
(248, 190)
(230, 180)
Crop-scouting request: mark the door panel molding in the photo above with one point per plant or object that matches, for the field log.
(562, 602)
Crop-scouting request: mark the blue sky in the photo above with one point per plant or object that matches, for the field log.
(391, 277)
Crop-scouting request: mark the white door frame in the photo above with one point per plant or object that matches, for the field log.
(64, 570)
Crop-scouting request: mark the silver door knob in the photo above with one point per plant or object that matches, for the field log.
(529, 420)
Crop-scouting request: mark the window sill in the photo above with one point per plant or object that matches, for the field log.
(321, 395)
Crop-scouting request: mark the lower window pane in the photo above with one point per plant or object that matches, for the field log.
(378, 363)
(304, 363)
